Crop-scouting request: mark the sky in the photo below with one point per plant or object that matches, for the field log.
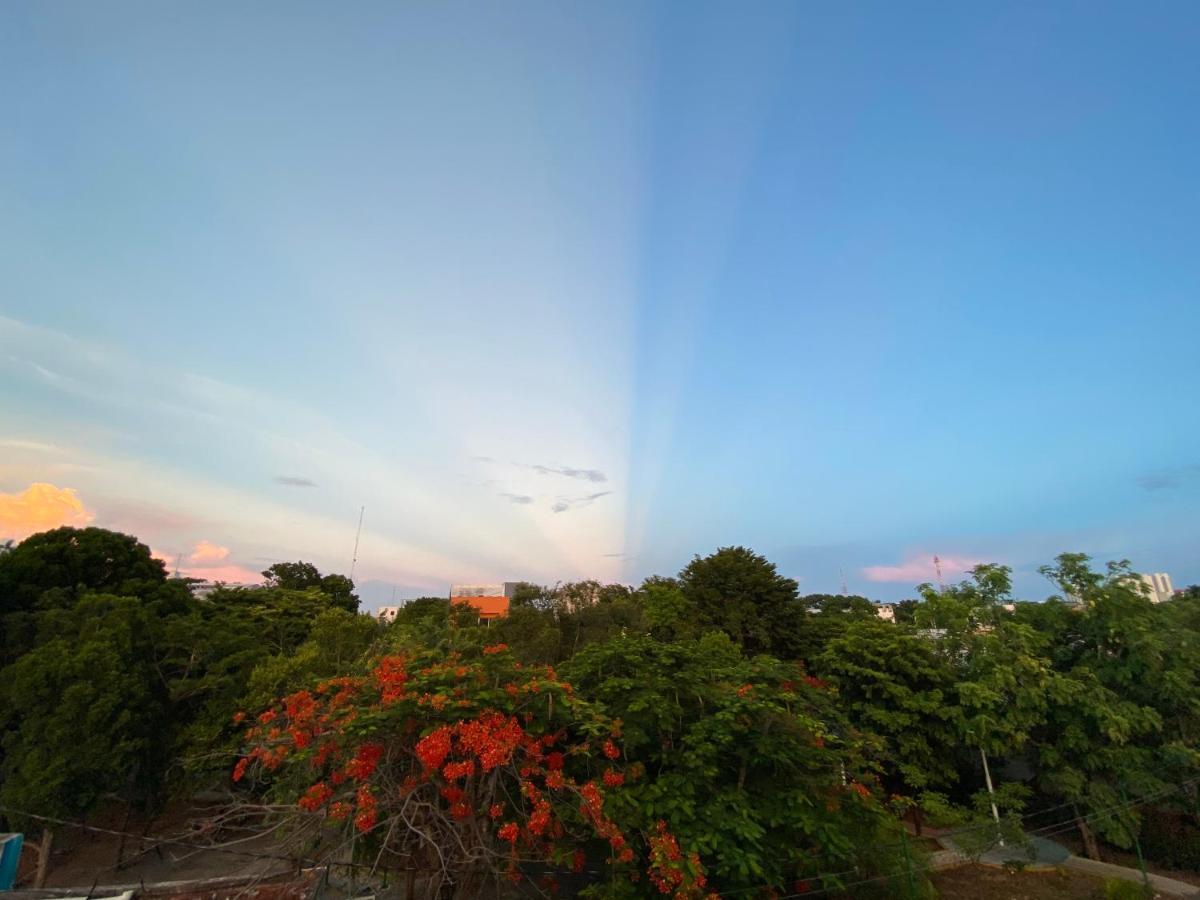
(556, 291)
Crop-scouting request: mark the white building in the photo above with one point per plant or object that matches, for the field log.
(387, 614)
(1157, 586)
(886, 611)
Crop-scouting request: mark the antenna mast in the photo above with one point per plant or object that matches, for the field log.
(937, 567)
(842, 572)
(357, 535)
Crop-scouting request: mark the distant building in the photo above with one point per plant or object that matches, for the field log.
(387, 614)
(491, 601)
(886, 611)
(1157, 587)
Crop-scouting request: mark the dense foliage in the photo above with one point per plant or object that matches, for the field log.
(710, 731)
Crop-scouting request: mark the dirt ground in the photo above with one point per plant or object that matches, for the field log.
(986, 883)
(81, 858)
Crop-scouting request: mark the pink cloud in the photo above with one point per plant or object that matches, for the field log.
(40, 507)
(207, 552)
(230, 574)
(917, 569)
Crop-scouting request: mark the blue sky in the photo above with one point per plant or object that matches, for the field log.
(579, 291)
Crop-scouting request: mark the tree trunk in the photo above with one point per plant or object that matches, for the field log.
(121, 843)
(1089, 839)
(918, 820)
(43, 863)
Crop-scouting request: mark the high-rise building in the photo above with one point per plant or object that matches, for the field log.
(1157, 586)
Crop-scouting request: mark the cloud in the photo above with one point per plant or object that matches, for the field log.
(40, 507)
(231, 574)
(30, 446)
(618, 556)
(562, 504)
(294, 481)
(206, 553)
(519, 499)
(1167, 479)
(594, 475)
(917, 569)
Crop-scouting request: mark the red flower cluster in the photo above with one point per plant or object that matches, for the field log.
(315, 797)
(670, 872)
(365, 761)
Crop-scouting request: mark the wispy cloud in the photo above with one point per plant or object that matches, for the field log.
(40, 507)
(563, 504)
(594, 475)
(294, 481)
(921, 568)
(519, 499)
(1167, 479)
(30, 446)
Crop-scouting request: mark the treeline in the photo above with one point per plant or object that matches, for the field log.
(714, 730)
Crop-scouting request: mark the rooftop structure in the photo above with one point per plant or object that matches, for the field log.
(491, 601)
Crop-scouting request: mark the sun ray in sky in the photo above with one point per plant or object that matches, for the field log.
(567, 292)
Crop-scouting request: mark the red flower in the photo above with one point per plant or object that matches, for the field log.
(365, 761)
(433, 749)
(315, 797)
(495, 648)
(554, 761)
(456, 770)
(496, 810)
(613, 779)
(240, 769)
(610, 750)
(391, 674)
(509, 832)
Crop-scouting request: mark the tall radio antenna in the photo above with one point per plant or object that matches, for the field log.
(937, 567)
(357, 535)
(842, 572)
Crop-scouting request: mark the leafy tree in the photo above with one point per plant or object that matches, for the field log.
(81, 715)
(55, 567)
(741, 593)
(745, 757)
(1102, 736)
(896, 685)
(303, 576)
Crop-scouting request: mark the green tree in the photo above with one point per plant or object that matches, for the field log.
(745, 756)
(82, 715)
(897, 685)
(742, 594)
(303, 576)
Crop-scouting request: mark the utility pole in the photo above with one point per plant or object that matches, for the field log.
(357, 535)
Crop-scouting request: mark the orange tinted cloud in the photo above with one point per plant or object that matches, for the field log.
(207, 553)
(40, 507)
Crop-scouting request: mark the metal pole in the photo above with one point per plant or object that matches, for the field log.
(987, 774)
(357, 535)
(908, 869)
(1137, 843)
